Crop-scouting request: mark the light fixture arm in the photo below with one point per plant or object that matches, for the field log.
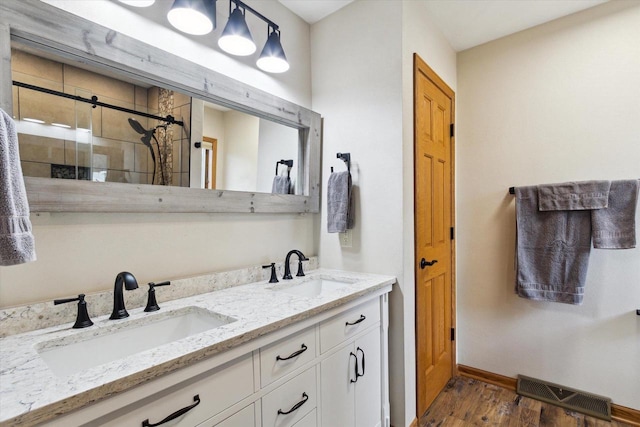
(241, 5)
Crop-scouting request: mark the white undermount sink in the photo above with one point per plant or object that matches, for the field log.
(90, 348)
(312, 288)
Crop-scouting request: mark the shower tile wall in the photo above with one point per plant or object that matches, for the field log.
(181, 144)
(117, 149)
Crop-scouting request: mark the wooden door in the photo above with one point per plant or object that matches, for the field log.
(210, 146)
(433, 109)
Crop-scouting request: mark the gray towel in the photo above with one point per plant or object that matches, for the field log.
(338, 202)
(351, 213)
(615, 227)
(552, 250)
(16, 241)
(571, 196)
(281, 184)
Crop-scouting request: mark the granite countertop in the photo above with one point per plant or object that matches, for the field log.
(30, 392)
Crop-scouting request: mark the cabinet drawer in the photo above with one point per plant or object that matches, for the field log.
(298, 392)
(216, 390)
(276, 359)
(339, 328)
(308, 421)
(243, 418)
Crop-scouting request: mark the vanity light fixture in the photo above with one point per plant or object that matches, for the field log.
(138, 3)
(236, 39)
(272, 59)
(197, 17)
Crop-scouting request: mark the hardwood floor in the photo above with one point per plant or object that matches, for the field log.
(468, 402)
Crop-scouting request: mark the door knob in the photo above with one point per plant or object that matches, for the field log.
(424, 263)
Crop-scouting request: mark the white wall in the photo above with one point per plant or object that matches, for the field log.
(362, 84)
(84, 252)
(213, 127)
(240, 159)
(277, 142)
(556, 103)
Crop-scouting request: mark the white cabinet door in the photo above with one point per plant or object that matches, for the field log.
(350, 398)
(337, 388)
(368, 387)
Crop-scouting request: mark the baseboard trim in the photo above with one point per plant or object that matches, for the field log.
(618, 413)
(488, 377)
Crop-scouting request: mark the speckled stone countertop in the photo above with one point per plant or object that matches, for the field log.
(31, 393)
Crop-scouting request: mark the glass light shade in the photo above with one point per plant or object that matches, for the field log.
(272, 59)
(197, 17)
(236, 38)
(138, 3)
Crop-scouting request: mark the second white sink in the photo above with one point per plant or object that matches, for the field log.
(91, 348)
(312, 288)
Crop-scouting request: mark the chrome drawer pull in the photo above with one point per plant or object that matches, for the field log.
(178, 413)
(361, 319)
(296, 406)
(303, 348)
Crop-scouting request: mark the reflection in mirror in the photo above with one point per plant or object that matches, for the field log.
(70, 139)
(241, 152)
(67, 138)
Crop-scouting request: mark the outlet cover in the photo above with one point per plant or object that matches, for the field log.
(346, 239)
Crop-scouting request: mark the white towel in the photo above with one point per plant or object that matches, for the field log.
(16, 240)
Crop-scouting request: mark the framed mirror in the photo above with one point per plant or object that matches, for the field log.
(232, 144)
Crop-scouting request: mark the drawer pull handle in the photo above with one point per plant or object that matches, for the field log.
(178, 413)
(296, 406)
(303, 348)
(356, 367)
(357, 373)
(361, 319)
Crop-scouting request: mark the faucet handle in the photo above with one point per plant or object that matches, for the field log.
(152, 303)
(82, 318)
(300, 273)
(274, 277)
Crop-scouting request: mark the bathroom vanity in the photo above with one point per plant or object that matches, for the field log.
(311, 351)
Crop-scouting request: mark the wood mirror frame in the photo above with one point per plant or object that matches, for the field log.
(46, 28)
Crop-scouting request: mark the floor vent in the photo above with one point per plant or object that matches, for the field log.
(575, 400)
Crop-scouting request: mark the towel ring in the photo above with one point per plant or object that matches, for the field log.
(345, 157)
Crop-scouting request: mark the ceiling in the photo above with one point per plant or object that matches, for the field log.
(466, 23)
